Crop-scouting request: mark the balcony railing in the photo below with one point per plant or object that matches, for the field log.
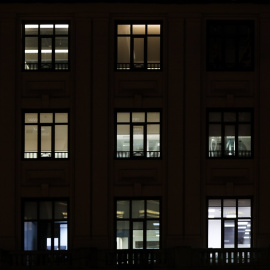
(43, 154)
(149, 154)
(138, 66)
(230, 153)
(46, 66)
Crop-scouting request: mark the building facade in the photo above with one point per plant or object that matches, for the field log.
(136, 133)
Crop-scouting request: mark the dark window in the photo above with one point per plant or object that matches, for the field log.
(138, 224)
(46, 46)
(230, 45)
(230, 133)
(138, 134)
(138, 46)
(229, 223)
(46, 135)
(45, 224)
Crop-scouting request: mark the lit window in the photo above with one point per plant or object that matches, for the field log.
(138, 46)
(45, 225)
(230, 133)
(46, 46)
(138, 134)
(230, 45)
(229, 223)
(45, 135)
(138, 224)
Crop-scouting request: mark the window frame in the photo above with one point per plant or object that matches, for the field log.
(144, 124)
(143, 220)
(236, 124)
(132, 67)
(53, 142)
(40, 220)
(236, 39)
(39, 36)
(236, 220)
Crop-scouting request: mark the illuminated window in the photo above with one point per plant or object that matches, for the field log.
(45, 224)
(138, 134)
(138, 224)
(229, 223)
(230, 133)
(46, 46)
(230, 45)
(46, 135)
(138, 46)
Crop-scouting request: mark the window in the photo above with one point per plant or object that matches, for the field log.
(138, 224)
(138, 46)
(229, 223)
(138, 134)
(230, 133)
(45, 224)
(46, 135)
(230, 45)
(46, 46)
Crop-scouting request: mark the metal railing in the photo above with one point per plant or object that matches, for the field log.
(43, 154)
(135, 66)
(149, 154)
(46, 66)
(230, 153)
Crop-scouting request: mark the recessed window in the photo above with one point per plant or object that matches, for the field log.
(138, 46)
(230, 133)
(138, 134)
(229, 223)
(45, 224)
(230, 45)
(46, 135)
(46, 46)
(138, 224)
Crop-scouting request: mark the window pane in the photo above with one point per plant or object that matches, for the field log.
(138, 53)
(31, 140)
(123, 29)
(244, 233)
(31, 29)
(152, 208)
(138, 140)
(45, 236)
(31, 51)
(31, 118)
(229, 140)
(123, 50)
(61, 117)
(244, 140)
(123, 141)
(215, 117)
(61, 138)
(138, 29)
(60, 210)
(244, 208)
(152, 234)
(153, 29)
(138, 209)
(229, 208)
(61, 49)
(153, 140)
(30, 235)
(46, 141)
(61, 29)
(138, 117)
(46, 118)
(229, 117)
(46, 53)
(153, 117)
(244, 116)
(137, 235)
(30, 210)
(123, 117)
(45, 210)
(214, 140)
(214, 233)
(46, 29)
(122, 209)
(122, 234)
(60, 236)
(153, 50)
(229, 234)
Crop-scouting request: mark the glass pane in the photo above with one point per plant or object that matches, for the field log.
(46, 53)
(214, 233)
(61, 117)
(244, 233)
(138, 140)
(123, 117)
(153, 117)
(138, 29)
(214, 117)
(30, 235)
(137, 234)
(244, 208)
(214, 208)
(153, 50)
(229, 140)
(123, 141)
(31, 29)
(244, 116)
(229, 117)
(31, 141)
(46, 29)
(31, 53)
(230, 52)
(152, 234)
(138, 209)
(61, 29)
(46, 141)
(214, 140)
(30, 210)
(229, 234)
(123, 29)
(153, 140)
(61, 138)
(138, 117)
(153, 29)
(122, 209)
(45, 236)
(31, 118)
(61, 49)
(60, 236)
(46, 118)
(123, 50)
(60, 210)
(244, 140)
(45, 210)
(229, 208)
(122, 234)
(138, 53)
(152, 207)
